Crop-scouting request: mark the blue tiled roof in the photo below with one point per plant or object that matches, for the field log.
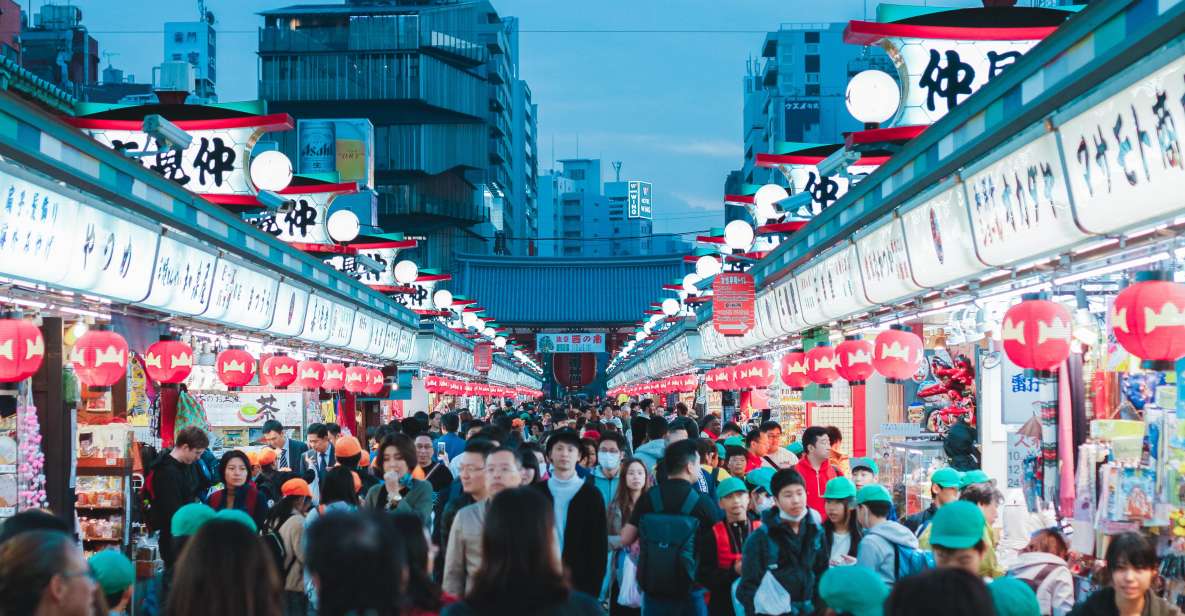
(564, 291)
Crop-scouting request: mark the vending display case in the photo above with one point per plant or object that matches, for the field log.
(103, 494)
(906, 467)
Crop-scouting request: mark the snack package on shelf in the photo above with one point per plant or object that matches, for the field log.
(99, 493)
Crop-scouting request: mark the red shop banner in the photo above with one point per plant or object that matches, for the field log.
(733, 303)
(483, 356)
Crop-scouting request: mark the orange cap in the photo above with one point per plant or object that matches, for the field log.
(253, 458)
(267, 456)
(347, 446)
(364, 461)
(296, 487)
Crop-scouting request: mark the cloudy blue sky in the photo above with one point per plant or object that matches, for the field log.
(664, 98)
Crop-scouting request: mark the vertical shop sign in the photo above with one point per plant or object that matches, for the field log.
(483, 356)
(182, 278)
(733, 296)
(884, 263)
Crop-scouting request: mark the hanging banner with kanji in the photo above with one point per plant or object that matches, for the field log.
(577, 342)
(483, 356)
(733, 303)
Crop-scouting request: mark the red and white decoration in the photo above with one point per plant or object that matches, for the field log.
(897, 354)
(374, 381)
(22, 349)
(355, 379)
(821, 365)
(279, 370)
(335, 377)
(854, 360)
(168, 360)
(1148, 319)
(100, 357)
(793, 368)
(309, 374)
(235, 367)
(1036, 333)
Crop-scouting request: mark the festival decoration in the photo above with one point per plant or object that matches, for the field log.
(335, 377)
(897, 353)
(235, 367)
(821, 365)
(374, 381)
(31, 468)
(355, 379)
(794, 370)
(309, 374)
(168, 360)
(100, 357)
(279, 370)
(22, 348)
(854, 360)
(1148, 318)
(1036, 333)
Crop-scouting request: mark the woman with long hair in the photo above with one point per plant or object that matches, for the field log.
(635, 480)
(286, 520)
(400, 492)
(1130, 575)
(238, 492)
(520, 571)
(225, 569)
(423, 596)
(356, 564)
(841, 531)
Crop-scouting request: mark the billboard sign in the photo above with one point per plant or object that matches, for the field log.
(576, 342)
(640, 200)
(341, 146)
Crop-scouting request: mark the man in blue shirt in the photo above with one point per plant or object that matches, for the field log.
(454, 445)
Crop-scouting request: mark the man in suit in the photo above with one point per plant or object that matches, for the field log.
(320, 456)
(289, 452)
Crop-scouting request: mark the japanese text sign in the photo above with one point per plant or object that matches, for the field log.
(576, 342)
(733, 297)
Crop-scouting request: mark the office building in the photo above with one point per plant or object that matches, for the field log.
(522, 209)
(58, 49)
(595, 219)
(436, 78)
(553, 188)
(195, 42)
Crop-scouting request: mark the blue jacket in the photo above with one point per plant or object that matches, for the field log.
(607, 486)
(453, 445)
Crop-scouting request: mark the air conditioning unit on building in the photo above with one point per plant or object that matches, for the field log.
(173, 81)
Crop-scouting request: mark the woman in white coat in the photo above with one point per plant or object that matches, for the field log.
(1042, 565)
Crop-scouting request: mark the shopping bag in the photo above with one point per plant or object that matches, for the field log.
(630, 594)
(771, 597)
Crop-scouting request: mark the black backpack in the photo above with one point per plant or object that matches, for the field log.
(667, 561)
(275, 546)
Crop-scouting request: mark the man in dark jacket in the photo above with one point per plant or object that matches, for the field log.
(944, 488)
(175, 483)
(581, 523)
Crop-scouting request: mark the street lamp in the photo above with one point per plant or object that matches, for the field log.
(271, 170)
(706, 267)
(670, 306)
(738, 235)
(690, 281)
(406, 271)
(343, 226)
(765, 202)
(872, 96)
(442, 299)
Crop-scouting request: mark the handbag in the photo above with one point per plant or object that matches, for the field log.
(771, 596)
(630, 594)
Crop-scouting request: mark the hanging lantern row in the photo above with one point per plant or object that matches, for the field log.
(453, 387)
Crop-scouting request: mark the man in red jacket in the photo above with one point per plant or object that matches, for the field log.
(814, 467)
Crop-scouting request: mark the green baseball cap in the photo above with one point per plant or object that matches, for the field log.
(524, 416)
(759, 478)
(947, 477)
(732, 485)
(957, 526)
(794, 448)
(113, 571)
(856, 590)
(734, 441)
(1014, 598)
(867, 463)
(189, 518)
(840, 488)
(974, 476)
(235, 515)
(720, 451)
(873, 493)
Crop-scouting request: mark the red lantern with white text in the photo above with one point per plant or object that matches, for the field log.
(355, 379)
(1036, 333)
(100, 358)
(235, 367)
(854, 360)
(335, 377)
(794, 370)
(821, 364)
(309, 374)
(22, 348)
(169, 360)
(374, 381)
(1148, 319)
(897, 354)
(279, 370)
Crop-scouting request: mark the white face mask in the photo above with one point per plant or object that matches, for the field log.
(790, 518)
(609, 459)
(764, 503)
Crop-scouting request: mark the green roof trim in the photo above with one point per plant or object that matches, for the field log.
(782, 148)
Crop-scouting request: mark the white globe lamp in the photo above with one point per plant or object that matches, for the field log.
(489, 332)
(500, 342)
(765, 202)
(406, 271)
(706, 267)
(872, 96)
(639, 336)
(670, 306)
(343, 226)
(442, 299)
(271, 170)
(690, 281)
(738, 235)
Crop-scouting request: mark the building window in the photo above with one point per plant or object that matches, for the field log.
(178, 37)
(811, 64)
(577, 174)
(812, 78)
(176, 56)
(193, 58)
(191, 37)
(812, 89)
(810, 37)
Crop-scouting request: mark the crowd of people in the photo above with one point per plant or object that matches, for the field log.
(549, 509)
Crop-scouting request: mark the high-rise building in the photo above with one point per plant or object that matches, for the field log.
(196, 43)
(591, 218)
(796, 92)
(554, 187)
(58, 49)
(522, 209)
(628, 219)
(436, 78)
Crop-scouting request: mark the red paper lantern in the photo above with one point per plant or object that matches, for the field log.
(1148, 318)
(794, 370)
(854, 357)
(821, 365)
(309, 374)
(355, 379)
(763, 374)
(100, 357)
(168, 360)
(279, 370)
(374, 381)
(22, 349)
(1036, 333)
(897, 354)
(235, 367)
(335, 377)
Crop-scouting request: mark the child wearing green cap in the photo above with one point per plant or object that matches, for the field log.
(864, 472)
(729, 537)
(886, 544)
(116, 576)
(853, 590)
(944, 489)
(956, 535)
(988, 500)
(839, 524)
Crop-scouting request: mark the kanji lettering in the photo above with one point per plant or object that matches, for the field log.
(998, 61)
(1025, 384)
(823, 190)
(1166, 133)
(301, 216)
(213, 158)
(168, 165)
(947, 81)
